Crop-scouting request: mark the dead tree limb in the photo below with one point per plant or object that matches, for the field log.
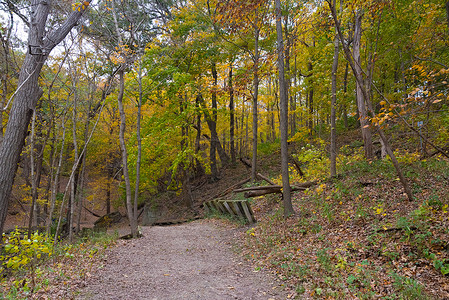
(258, 188)
(91, 212)
(297, 165)
(269, 190)
(230, 189)
(246, 162)
(262, 177)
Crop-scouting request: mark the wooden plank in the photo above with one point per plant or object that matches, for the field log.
(228, 208)
(231, 206)
(251, 212)
(247, 212)
(221, 207)
(239, 213)
(207, 208)
(216, 206)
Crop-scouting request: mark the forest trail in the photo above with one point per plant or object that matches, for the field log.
(189, 261)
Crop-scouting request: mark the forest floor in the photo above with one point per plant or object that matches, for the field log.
(189, 261)
(355, 236)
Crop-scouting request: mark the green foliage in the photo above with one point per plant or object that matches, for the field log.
(408, 288)
(21, 253)
(268, 148)
(30, 265)
(316, 160)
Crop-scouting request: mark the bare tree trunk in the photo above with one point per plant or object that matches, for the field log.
(345, 89)
(310, 100)
(199, 170)
(129, 207)
(361, 101)
(333, 148)
(56, 179)
(293, 101)
(132, 215)
(73, 191)
(33, 177)
(255, 105)
(379, 129)
(213, 131)
(80, 193)
(139, 140)
(447, 13)
(231, 116)
(213, 126)
(28, 92)
(286, 190)
(79, 196)
(287, 74)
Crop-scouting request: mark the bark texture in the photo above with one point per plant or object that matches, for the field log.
(255, 105)
(361, 105)
(28, 93)
(333, 149)
(129, 207)
(286, 191)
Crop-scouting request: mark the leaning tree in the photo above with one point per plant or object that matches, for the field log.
(41, 42)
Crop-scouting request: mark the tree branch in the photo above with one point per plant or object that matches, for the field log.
(56, 36)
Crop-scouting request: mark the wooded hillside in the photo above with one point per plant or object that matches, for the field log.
(109, 105)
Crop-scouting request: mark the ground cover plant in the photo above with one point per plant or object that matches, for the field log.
(357, 236)
(36, 268)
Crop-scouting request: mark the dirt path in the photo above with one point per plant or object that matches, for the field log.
(189, 261)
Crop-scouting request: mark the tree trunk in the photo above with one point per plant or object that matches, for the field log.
(33, 177)
(231, 116)
(55, 183)
(6, 43)
(293, 97)
(79, 196)
(213, 131)
(310, 100)
(28, 93)
(361, 101)
(345, 90)
(447, 13)
(213, 126)
(255, 99)
(139, 141)
(129, 207)
(287, 74)
(199, 170)
(286, 193)
(379, 129)
(333, 148)
(73, 191)
(246, 132)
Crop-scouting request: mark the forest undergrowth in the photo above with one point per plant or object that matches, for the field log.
(36, 268)
(357, 236)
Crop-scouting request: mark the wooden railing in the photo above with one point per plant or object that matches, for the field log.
(237, 208)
